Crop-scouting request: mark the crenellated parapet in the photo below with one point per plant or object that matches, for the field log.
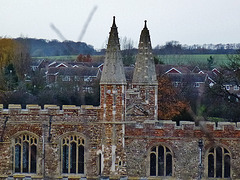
(170, 129)
(72, 112)
(49, 110)
(188, 125)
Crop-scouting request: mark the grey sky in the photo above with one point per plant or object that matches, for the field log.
(187, 21)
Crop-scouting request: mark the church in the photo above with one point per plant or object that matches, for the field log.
(119, 139)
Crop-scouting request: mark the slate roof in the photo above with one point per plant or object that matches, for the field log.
(188, 77)
(162, 69)
(74, 64)
(70, 71)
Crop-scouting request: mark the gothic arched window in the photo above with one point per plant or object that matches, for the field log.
(73, 154)
(161, 161)
(219, 163)
(25, 154)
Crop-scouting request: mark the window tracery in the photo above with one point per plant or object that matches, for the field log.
(161, 161)
(219, 163)
(73, 154)
(25, 154)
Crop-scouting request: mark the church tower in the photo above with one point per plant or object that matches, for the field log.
(112, 102)
(144, 76)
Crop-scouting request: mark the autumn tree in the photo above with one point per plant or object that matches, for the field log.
(82, 58)
(170, 103)
(22, 60)
(7, 55)
(7, 51)
(15, 55)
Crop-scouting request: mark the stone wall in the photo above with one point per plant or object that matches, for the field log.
(49, 125)
(183, 142)
(130, 141)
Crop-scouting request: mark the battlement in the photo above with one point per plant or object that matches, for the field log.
(187, 125)
(48, 109)
(185, 129)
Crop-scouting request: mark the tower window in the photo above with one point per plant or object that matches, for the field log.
(73, 155)
(160, 161)
(25, 154)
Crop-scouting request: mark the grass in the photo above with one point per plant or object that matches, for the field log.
(68, 58)
(193, 59)
(182, 59)
(216, 119)
(58, 58)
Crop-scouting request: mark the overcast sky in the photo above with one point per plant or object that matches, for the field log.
(186, 21)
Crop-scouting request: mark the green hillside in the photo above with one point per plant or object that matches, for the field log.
(193, 59)
(184, 59)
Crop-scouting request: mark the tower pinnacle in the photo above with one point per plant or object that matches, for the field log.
(144, 72)
(114, 23)
(113, 72)
(145, 25)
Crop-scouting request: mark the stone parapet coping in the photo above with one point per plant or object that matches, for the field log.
(48, 109)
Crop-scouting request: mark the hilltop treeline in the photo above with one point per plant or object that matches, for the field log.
(43, 47)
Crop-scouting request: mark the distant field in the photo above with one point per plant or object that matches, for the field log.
(189, 59)
(185, 59)
(58, 58)
(69, 58)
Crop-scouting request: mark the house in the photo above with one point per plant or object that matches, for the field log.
(37, 64)
(82, 77)
(182, 77)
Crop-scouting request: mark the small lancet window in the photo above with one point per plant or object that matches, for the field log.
(161, 161)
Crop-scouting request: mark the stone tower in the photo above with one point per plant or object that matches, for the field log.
(113, 88)
(144, 76)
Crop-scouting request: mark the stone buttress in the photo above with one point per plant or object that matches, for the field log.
(142, 99)
(113, 87)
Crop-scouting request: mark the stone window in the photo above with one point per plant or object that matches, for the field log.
(25, 154)
(161, 161)
(73, 155)
(219, 163)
